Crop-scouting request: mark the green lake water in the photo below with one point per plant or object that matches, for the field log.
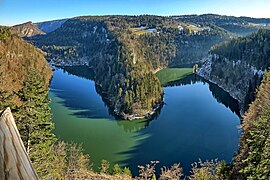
(198, 120)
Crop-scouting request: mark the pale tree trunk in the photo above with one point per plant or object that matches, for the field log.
(14, 160)
(28, 142)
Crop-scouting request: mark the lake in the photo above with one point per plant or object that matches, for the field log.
(198, 121)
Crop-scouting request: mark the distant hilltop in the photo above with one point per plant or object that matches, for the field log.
(239, 25)
(27, 29)
(30, 29)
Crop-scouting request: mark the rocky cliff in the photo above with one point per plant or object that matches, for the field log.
(27, 29)
(238, 65)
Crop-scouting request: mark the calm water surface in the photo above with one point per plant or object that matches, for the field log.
(198, 120)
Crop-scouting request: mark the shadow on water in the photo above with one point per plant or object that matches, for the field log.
(168, 140)
(163, 136)
(81, 116)
(81, 103)
(84, 109)
(219, 94)
(80, 71)
(80, 108)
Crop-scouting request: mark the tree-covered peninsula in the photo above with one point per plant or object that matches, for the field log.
(126, 51)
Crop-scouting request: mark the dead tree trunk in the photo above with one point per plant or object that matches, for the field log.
(14, 160)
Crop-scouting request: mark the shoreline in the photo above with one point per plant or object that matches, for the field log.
(121, 115)
(149, 115)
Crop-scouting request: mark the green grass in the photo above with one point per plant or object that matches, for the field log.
(138, 31)
(134, 29)
(171, 74)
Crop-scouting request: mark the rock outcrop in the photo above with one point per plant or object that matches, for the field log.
(238, 65)
(237, 78)
(27, 29)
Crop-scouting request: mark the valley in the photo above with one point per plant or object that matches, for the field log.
(129, 90)
(127, 60)
(181, 124)
(134, 91)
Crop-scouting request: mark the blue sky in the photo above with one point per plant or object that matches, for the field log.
(19, 11)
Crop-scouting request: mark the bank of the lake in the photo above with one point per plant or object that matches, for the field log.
(194, 123)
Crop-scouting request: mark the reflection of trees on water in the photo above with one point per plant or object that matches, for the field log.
(190, 79)
(86, 73)
(224, 98)
(128, 126)
(135, 125)
(80, 71)
(219, 94)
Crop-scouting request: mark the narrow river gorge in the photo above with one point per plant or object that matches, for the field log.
(198, 121)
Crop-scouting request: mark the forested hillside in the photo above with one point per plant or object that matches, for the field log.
(253, 158)
(238, 65)
(126, 51)
(24, 81)
(49, 26)
(126, 80)
(238, 25)
(253, 49)
(17, 59)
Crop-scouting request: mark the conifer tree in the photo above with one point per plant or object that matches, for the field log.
(35, 124)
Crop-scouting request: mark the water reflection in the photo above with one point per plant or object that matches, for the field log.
(133, 126)
(80, 71)
(84, 111)
(191, 125)
(219, 94)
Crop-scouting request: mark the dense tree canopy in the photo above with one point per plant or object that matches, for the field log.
(124, 60)
(253, 49)
(126, 51)
(253, 159)
(239, 26)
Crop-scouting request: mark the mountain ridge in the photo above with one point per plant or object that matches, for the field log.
(182, 39)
